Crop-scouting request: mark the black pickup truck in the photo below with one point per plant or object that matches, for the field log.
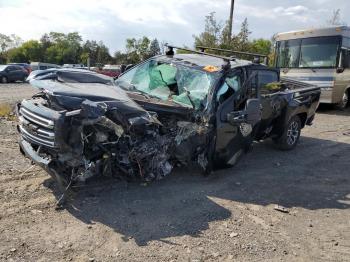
(170, 110)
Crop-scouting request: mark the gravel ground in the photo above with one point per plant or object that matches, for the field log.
(228, 216)
(13, 92)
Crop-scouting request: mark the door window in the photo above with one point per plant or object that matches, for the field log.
(231, 85)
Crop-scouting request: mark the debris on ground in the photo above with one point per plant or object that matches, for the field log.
(281, 209)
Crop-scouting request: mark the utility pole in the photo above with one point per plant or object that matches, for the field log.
(231, 18)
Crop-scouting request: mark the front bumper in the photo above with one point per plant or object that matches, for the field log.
(28, 151)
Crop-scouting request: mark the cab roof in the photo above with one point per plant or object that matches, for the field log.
(201, 61)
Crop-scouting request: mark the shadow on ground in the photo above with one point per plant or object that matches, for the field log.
(332, 110)
(313, 176)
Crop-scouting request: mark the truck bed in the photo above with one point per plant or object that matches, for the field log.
(298, 86)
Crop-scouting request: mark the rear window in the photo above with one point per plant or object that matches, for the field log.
(266, 78)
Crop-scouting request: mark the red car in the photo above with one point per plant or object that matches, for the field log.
(110, 70)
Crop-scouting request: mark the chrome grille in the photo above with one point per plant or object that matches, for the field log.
(36, 128)
(42, 121)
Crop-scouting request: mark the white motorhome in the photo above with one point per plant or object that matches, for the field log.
(42, 66)
(320, 57)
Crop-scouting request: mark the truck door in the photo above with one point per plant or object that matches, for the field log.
(238, 113)
(271, 104)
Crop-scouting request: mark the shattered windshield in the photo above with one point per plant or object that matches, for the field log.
(183, 85)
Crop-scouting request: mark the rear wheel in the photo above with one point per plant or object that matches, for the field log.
(345, 101)
(3, 79)
(291, 134)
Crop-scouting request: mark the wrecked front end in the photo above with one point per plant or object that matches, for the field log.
(79, 130)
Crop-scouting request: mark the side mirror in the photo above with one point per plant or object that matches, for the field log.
(253, 111)
(250, 115)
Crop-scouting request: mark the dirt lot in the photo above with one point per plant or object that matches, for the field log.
(228, 216)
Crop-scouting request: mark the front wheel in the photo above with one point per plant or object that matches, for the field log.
(344, 102)
(3, 79)
(291, 134)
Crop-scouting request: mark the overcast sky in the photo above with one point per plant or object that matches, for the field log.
(174, 21)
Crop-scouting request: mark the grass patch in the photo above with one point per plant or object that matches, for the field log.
(6, 110)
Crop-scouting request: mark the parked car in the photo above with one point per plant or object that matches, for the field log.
(24, 65)
(42, 66)
(73, 66)
(12, 73)
(174, 109)
(110, 70)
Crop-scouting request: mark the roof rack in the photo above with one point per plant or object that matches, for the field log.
(225, 58)
(254, 55)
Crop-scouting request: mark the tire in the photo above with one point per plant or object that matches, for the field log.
(344, 102)
(3, 80)
(291, 134)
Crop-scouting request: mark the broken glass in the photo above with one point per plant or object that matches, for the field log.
(183, 85)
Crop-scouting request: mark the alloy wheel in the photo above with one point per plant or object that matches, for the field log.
(293, 133)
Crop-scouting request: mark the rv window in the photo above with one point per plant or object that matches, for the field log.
(314, 52)
(346, 58)
(346, 42)
(319, 52)
(288, 53)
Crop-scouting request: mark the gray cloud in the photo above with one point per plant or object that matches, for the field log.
(174, 21)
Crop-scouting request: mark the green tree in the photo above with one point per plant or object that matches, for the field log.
(62, 48)
(5, 42)
(8, 42)
(120, 58)
(103, 56)
(15, 55)
(212, 31)
(32, 50)
(262, 46)
(154, 48)
(45, 41)
(98, 53)
(137, 49)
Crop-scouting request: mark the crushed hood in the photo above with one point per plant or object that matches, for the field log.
(82, 89)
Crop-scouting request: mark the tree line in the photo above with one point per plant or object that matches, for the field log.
(60, 48)
(216, 34)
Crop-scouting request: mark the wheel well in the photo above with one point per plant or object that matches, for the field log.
(348, 90)
(303, 118)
